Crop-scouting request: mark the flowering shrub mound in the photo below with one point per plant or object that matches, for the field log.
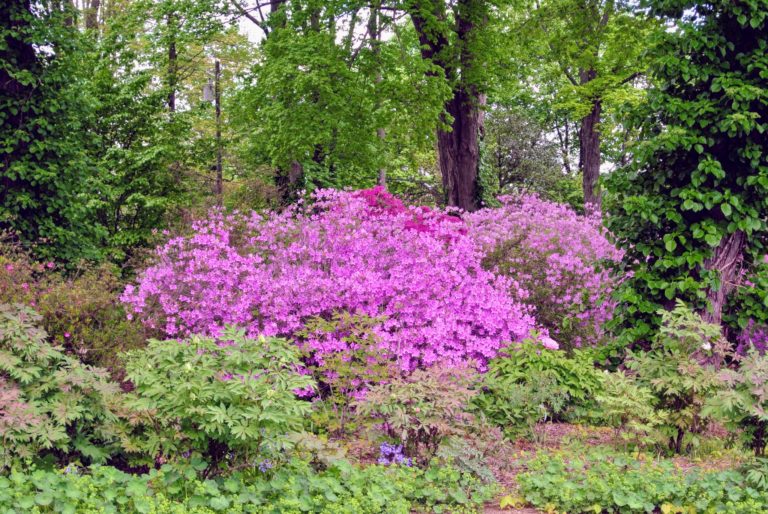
(363, 253)
(551, 254)
(80, 310)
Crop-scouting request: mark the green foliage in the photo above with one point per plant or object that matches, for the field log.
(629, 407)
(700, 178)
(472, 452)
(566, 66)
(605, 482)
(519, 154)
(325, 109)
(743, 401)
(519, 407)
(43, 167)
(52, 406)
(424, 408)
(137, 149)
(756, 473)
(681, 368)
(528, 383)
(291, 489)
(212, 397)
(361, 365)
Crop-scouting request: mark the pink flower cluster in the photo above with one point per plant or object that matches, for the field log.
(365, 253)
(551, 253)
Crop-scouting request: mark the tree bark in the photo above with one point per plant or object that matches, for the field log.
(726, 263)
(459, 151)
(217, 100)
(92, 15)
(589, 149)
(172, 62)
(458, 147)
(374, 31)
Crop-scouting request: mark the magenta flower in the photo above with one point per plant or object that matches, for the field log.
(362, 252)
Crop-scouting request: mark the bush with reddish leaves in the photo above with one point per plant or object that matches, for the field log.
(81, 310)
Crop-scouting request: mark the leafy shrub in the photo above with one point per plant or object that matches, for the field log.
(290, 489)
(756, 473)
(527, 383)
(553, 257)
(81, 311)
(213, 397)
(51, 405)
(362, 253)
(681, 369)
(357, 365)
(518, 407)
(742, 403)
(423, 409)
(629, 407)
(605, 482)
(472, 452)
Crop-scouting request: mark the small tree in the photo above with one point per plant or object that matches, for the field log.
(681, 369)
(691, 211)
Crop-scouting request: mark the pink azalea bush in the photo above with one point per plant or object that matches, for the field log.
(552, 254)
(365, 253)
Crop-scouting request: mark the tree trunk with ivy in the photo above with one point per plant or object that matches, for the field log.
(725, 263)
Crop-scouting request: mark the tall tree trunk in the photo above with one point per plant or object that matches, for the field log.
(589, 157)
(459, 151)
(374, 30)
(382, 179)
(219, 185)
(173, 63)
(726, 263)
(589, 148)
(458, 148)
(92, 15)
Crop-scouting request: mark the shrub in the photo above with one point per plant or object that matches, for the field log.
(291, 489)
(216, 398)
(629, 407)
(351, 370)
(681, 369)
(553, 257)
(742, 403)
(605, 482)
(527, 383)
(362, 253)
(51, 405)
(423, 409)
(80, 311)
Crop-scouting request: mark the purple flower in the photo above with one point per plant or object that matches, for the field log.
(419, 269)
(265, 465)
(393, 454)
